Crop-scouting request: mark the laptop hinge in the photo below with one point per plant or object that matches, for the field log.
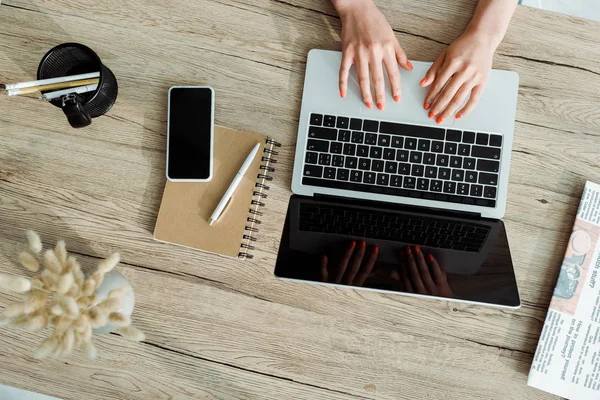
(398, 207)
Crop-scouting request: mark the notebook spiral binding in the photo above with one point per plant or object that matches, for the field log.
(259, 194)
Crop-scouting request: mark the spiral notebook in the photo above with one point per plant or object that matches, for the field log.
(187, 206)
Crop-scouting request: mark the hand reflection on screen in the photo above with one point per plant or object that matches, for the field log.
(422, 275)
(354, 266)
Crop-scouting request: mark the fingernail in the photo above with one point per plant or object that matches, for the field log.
(426, 106)
(401, 252)
(324, 259)
(423, 81)
(430, 257)
(410, 66)
(431, 114)
(380, 106)
(376, 250)
(342, 93)
(396, 98)
(458, 116)
(352, 244)
(369, 104)
(408, 250)
(417, 250)
(362, 244)
(439, 120)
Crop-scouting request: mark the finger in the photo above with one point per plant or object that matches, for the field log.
(401, 57)
(368, 267)
(324, 271)
(473, 100)
(424, 271)
(457, 101)
(344, 262)
(364, 82)
(413, 273)
(355, 263)
(433, 72)
(391, 66)
(439, 276)
(347, 60)
(438, 85)
(446, 95)
(378, 81)
(403, 274)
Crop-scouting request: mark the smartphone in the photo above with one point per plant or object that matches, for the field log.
(190, 133)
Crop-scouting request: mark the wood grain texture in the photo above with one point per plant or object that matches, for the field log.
(219, 328)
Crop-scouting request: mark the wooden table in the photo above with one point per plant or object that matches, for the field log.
(227, 329)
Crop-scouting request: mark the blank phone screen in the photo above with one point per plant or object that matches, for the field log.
(190, 122)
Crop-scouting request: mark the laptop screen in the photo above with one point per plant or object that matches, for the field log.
(397, 249)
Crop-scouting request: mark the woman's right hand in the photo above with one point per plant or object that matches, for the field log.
(368, 41)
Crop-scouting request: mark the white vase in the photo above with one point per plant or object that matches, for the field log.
(114, 280)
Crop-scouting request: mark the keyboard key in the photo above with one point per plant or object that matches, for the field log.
(397, 142)
(410, 144)
(456, 162)
(338, 161)
(356, 176)
(370, 138)
(324, 159)
(464, 149)
(329, 173)
(424, 144)
(453, 136)
(351, 162)
(316, 119)
(495, 140)
(416, 157)
(311, 158)
(488, 165)
(344, 136)
(336, 147)
(369, 177)
(471, 177)
(450, 187)
(317, 145)
(485, 152)
(429, 159)
(376, 152)
(377, 165)
(444, 173)
(476, 190)
(402, 155)
(412, 131)
(383, 179)
(389, 154)
(458, 175)
(356, 124)
(342, 122)
(404, 169)
(423, 184)
(442, 160)
(315, 132)
(313, 171)
(343, 174)
(469, 137)
(489, 192)
(462, 189)
(469, 163)
(349, 149)
(357, 137)
(417, 170)
(450, 148)
(383, 140)
(431, 172)
(436, 186)
(437, 147)
(364, 164)
(488, 179)
(391, 167)
(370, 126)
(409, 182)
(482, 138)
(329, 121)
(362, 151)
(396, 181)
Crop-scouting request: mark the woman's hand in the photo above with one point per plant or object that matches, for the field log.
(461, 69)
(423, 275)
(353, 268)
(368, 41)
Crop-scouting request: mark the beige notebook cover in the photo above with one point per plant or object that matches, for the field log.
(187, 206)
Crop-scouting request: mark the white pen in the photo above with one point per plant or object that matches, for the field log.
(78, 89)
(234, 184)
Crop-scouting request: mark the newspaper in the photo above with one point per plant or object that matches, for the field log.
(567, 359)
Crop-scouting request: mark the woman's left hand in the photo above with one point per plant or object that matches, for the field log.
(461, 69)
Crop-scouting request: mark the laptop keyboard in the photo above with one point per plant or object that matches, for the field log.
(439, 233)
(402, 160)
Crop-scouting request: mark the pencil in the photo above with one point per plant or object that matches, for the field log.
(41, 88)
(60, 79)
(79, 89)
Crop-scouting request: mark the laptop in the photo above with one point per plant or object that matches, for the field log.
(390, 201)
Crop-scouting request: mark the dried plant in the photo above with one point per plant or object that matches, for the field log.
(61, 297)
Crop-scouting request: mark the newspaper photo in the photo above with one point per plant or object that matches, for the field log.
(567, 358)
